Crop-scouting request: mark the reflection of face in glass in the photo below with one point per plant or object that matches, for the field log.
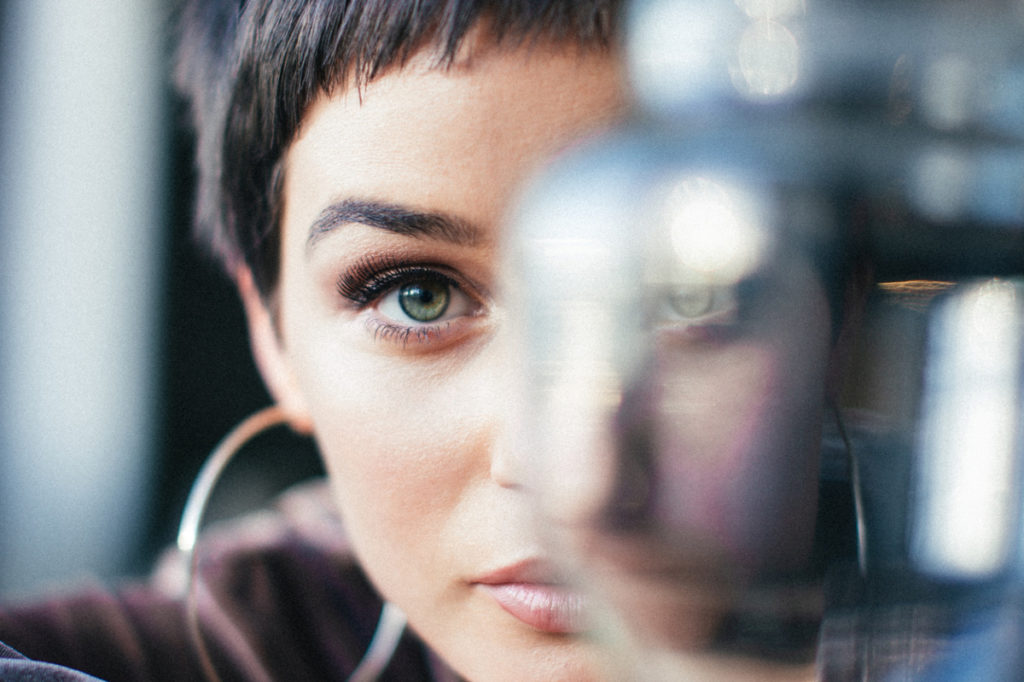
(718, 435)
(391, 345)
(738, 391)
(677, 448)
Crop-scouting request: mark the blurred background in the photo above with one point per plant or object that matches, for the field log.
(123, 354)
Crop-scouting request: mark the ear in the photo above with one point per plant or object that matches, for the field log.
(855, 297)
(271, 359)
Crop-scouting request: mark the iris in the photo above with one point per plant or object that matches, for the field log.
(425, 300)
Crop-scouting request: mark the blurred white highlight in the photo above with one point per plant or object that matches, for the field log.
(771, 9)
(949, 91)
(767, 61)
(968, 470)
(941, 182)
(715, 229)
(675, 52)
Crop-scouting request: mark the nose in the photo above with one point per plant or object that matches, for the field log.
(498, 399)
(508, 460)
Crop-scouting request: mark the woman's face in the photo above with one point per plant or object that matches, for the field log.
(393, 339)
(393, 345)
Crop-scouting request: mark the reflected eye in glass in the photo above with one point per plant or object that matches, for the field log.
(698, 302)
(692, 301)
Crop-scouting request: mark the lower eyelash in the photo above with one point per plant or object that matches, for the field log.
(401, 334)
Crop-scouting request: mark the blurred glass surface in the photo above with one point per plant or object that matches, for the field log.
(675, 333)
(772, 141)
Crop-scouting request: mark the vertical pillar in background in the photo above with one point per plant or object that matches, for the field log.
(81, 154)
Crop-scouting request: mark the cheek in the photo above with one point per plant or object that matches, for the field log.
(396, 450)
(405, 443)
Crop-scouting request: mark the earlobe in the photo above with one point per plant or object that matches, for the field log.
(269, 354)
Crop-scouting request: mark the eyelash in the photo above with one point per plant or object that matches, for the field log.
(372, 278)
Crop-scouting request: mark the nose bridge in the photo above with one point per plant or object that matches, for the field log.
(508, 465)
(508, 452)
(488, 410)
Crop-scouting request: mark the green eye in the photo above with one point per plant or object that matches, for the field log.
(424, 300)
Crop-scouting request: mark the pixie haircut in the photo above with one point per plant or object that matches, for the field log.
(250, 68)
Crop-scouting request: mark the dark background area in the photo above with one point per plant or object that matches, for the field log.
(207, 379)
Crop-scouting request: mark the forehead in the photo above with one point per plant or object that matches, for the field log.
(456, 139)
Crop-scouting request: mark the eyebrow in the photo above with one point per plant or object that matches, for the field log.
(394, 218)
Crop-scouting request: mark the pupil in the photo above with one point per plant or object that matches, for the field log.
(424, 301)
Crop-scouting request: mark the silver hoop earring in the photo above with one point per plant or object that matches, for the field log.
(392, 621)
(858, 494)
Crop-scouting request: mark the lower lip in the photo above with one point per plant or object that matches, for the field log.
(548, 608)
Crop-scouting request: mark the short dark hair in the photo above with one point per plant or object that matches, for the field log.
(250, 68)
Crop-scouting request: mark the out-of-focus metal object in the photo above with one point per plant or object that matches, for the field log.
(676, 330)
(661, 272)
(929, 94)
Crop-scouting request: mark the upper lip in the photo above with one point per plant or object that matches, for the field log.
(528, 571)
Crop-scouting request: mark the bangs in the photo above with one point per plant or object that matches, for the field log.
(250, 69)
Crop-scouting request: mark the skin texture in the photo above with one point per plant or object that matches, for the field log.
(411, 432)
(411, 425)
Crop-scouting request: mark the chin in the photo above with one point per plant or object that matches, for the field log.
(521, 654)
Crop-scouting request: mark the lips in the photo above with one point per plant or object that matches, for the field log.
(530, 592)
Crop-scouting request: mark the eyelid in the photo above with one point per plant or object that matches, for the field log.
(371, 279)
(372, 275)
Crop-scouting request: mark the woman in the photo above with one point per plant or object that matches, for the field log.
(356, 161)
